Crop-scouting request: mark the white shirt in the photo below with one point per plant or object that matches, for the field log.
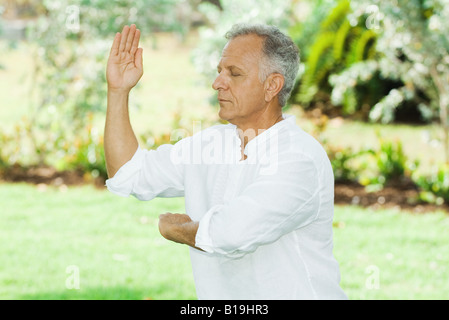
(265, 223)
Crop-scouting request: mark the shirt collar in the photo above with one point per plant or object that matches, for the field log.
(252, 146)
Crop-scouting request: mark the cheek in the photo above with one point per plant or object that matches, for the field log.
(253, 96)
(247, 93)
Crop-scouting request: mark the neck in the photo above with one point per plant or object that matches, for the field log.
(248, 130)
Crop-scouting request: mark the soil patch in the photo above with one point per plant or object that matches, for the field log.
(401, 196)
(48, 176)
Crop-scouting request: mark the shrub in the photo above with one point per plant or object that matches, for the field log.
(86, 153)
(389, 164)
(344, 164)
(435, 187)
(390, 159)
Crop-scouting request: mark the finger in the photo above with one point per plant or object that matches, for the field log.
(115, 44)
(138, 58)
(130, 39)
(123, 39)
(135, 43)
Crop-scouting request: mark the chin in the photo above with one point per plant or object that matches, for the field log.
(224, 115)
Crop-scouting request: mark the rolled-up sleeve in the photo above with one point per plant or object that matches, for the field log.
(149, 174)
(270, 207)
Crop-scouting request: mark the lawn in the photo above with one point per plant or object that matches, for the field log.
(46, 235)
(85, 243)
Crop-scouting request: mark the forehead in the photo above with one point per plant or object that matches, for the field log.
(242, 51)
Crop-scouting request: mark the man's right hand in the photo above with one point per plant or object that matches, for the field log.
(125, 65)
(123, 71)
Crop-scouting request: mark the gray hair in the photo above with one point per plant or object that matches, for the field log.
(281, 55)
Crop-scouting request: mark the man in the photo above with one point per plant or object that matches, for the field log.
(258, 191)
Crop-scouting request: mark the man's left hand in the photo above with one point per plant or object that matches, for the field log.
(179, 228)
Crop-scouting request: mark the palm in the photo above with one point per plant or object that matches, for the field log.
(124, 67)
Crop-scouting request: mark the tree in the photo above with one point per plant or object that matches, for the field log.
(412, 40)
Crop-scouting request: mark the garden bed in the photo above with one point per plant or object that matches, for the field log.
(403, 196)
(49, 176)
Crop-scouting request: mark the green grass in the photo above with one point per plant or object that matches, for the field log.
(408, 252)
(115, 245)
(114, 242)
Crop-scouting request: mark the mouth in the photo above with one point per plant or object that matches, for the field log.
(223, 100)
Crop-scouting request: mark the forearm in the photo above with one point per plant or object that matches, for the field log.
(120, 142)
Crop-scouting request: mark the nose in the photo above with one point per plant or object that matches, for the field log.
(220, 82)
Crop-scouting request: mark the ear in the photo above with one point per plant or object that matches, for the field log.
(272, 85)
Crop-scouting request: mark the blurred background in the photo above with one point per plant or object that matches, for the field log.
(373, 88)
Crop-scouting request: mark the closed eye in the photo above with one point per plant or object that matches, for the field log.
(234, 71)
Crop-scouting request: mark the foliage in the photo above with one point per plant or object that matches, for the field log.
(391, 162)
(373, 167)
(414, 50)
(19, 148)
(388, 164)
(413, 44)
(435, 187)
(72, 50)
(152, 140)
(342, 161)
(335, 44)
(86, 153)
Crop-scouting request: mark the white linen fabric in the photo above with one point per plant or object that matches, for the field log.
(265, 223)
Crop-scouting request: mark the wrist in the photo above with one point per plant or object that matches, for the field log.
(189, 232)
(118, 91)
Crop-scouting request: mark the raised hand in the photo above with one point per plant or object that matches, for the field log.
(125, 65)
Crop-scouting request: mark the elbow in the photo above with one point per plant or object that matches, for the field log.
(110, 170)
(233, 244)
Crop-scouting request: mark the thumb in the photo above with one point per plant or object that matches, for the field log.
(138, 58)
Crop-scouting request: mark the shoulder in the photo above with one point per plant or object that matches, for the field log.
(293, 139)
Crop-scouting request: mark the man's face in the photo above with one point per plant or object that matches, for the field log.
(240, 92)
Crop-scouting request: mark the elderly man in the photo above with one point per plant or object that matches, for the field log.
(258, 191)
